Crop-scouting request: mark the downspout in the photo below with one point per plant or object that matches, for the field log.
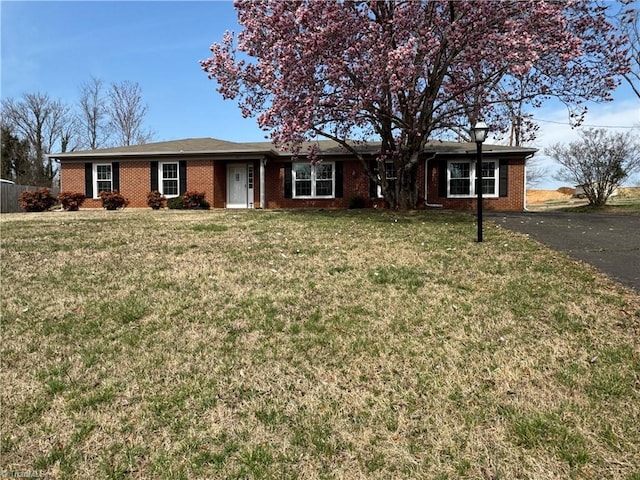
(263, 162)
(426, 183)
(525, 181)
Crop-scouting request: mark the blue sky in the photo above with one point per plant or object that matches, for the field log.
(52, 47)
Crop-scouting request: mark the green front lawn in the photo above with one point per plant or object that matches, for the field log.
(315, 344)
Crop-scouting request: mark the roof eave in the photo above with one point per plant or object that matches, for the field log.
(134, 155)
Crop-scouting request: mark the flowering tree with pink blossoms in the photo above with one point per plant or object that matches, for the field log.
(407, 72)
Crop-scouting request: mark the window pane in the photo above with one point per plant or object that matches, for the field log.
(488, 169)
(302, 171)
(324, 180)
(324, 187)
(390, 171)
(104, 186)
(170, 187)
(460, 178)
(103, 172)
(459, 170)
(323, 171)
(169, 170)
(488, 186)
(459, 187)
(303, 188)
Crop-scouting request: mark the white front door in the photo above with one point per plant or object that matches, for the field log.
(237, 191)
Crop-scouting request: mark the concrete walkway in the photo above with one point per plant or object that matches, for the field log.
(610, 243)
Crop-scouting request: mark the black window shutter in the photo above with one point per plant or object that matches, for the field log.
(115, 175)
(442, 178)
(88, 180)
(154, 175)
(339, 179)
(288, 188)
(373, 186)
(504, 178)
(182, 167)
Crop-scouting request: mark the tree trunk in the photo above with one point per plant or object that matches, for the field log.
(405, 194)
(407, 188)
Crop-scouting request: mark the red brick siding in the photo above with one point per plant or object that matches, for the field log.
(355, 183)
(514, 201)
(72, 177)
(210, 176)
(200, 178)
(72, 180)
(135, 180)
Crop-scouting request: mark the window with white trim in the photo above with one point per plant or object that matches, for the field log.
(102, 178)
(392, 176)
(169, 179)
(313, 181)
(461, 178)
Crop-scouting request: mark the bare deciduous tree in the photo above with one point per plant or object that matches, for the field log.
(127, 111)
(536, 172)
(46, 125)
(599, 162)
(93, 122)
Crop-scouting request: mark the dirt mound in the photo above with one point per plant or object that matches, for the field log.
(541, 196)
(629, 192)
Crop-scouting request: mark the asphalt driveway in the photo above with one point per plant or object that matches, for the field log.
(610, 243)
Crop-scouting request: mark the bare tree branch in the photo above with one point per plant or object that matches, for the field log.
(127, 111)
(599, 162)
(45, 124)
(94, 127)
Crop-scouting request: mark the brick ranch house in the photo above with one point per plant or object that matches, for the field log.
(256, 175)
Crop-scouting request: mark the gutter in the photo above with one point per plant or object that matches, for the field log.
(525, 181)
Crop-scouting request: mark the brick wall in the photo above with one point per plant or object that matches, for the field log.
(72, 180)
(135, 181)
(72, 177)
(203, 175)
(209, 176)
(514, 201)
(355, 183)
(200, 178)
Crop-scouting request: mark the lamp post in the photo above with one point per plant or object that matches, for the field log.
(479, 135)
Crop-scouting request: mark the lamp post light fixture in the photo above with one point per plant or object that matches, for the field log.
(479, 135)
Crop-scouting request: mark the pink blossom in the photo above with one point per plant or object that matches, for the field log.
(406, 71)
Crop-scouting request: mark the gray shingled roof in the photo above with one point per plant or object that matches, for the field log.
(215, 146)
(186, 145)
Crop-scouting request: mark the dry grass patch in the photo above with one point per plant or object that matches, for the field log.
(275, 344)
(625, 202)
(541, 196)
